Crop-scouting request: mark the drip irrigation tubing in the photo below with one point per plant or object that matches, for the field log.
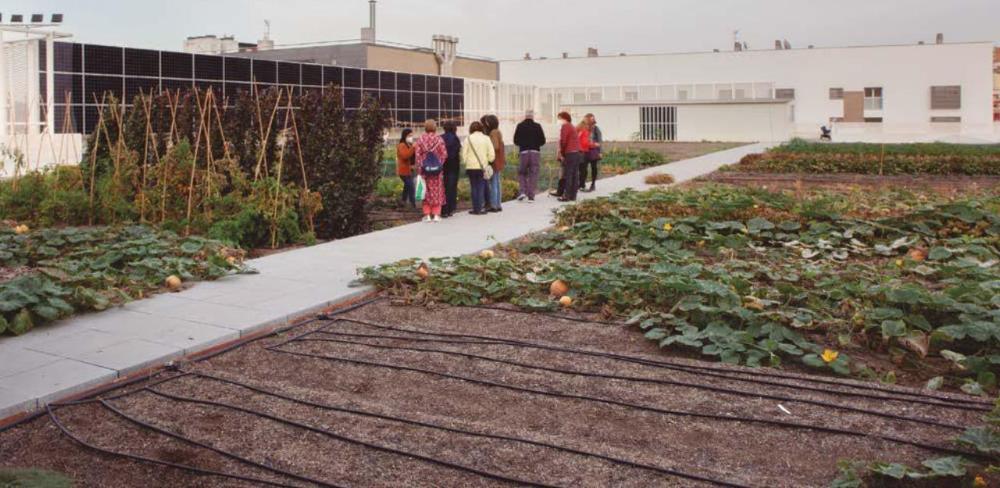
(774, 374)
(961, 404)
(134, 457)
(214, 449)
(623, 462)
(638, 379)
(349, 440)
(776, 423)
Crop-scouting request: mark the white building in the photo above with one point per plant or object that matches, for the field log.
(881, 93)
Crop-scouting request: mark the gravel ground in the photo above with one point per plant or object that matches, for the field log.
(405, 407)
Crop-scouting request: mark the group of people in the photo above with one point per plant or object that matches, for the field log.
(438, 159)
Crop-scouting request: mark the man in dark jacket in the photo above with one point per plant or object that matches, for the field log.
(529, 138)
(451, 168)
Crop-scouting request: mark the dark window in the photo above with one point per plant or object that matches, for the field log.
(238, 69)
(234, 89)
(352, 98)
(217, 87)
(176, 65)
(658, 123)
(207, 67)
(946, 97)
(370, 79)
(174, 85)
(458, 86)
(404, 82)
(103, 59)
(68, 57)
(418, 116)
(419, 83)
(136, 86)
(419, 101)
(433, 101)
(90, 115)
(99, 86)
(68, 119)
(312, 75)
(403, 100)
(403, 116)
(433, 84)
(873, 120)
(142, 62)
(446, 85)
(265, 71)
(66, 84)
(784, 94)
(388, 98)
(836, 94)
(333, 75)
(946, 119)
(387, 80)
(352, 78)
(288, 74)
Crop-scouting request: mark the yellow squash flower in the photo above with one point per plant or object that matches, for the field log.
(979, 482)
(667, 227)
(829, 355)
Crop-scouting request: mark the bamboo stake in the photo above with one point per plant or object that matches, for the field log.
(262, 153)
(194, 162)
(173, 103)
(145, 156)
(278, 200)
(93, 156)
(302, 167)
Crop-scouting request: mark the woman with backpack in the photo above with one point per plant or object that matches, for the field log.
(431, 154)
(404, 167)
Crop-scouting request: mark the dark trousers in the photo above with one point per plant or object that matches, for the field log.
(450, 192)
(592, 163)
(409, 191)
(571, 171)
(478, 189)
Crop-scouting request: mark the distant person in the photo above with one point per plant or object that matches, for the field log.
(529, 138)
(494, 193)
(477, 154)
(404, 167)
(430, 156)
(592, 155)
(825, 134)
(451, 168)
(570, 157)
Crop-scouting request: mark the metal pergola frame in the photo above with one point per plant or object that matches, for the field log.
(37, 32)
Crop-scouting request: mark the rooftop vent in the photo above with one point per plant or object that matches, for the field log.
(939, 39)
(565, 55)
(592, 52)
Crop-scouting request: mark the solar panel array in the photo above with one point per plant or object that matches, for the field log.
(84, 73)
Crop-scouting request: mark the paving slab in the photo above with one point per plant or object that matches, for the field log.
(76, 354)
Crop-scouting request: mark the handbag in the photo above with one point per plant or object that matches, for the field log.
(487, 170)
(420, 190)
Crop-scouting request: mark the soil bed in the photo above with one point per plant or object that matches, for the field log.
(774, 181)
(391, 395)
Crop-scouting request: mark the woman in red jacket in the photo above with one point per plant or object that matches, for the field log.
(570, 157)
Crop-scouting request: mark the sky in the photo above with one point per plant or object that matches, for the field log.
(507, 29)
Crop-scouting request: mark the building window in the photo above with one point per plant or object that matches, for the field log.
(945, 119)
(873, 120)
(946, 97)
(836, 94)
(873, 98)
(725, 94)
(631, 94)
(682, 94)
(784, 94)
(657, 123)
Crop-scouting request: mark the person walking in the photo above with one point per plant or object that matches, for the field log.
(477, 154)
(570, 157)
(430, 154)
(491, 127)
(404, 167)
(451, 168)
(592, 155)
(529, 138)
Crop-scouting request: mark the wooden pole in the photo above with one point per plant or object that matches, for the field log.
(302, 167)
(194, 162)
(93, 156)
(173, 103)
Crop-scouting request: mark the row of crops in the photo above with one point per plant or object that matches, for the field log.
(875, 159)
(862, 284)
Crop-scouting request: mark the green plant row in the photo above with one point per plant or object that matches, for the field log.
(869, 163)
(77, 269)
(754, 277)
(800, 146)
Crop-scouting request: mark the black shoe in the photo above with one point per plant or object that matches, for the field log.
(555, 194)
(564, 199)
(495, 210)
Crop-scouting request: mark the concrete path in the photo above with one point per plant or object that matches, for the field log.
(77, 354)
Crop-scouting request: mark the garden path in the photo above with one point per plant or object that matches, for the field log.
(80, 353)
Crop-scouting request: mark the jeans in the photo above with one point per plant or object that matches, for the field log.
(593, 173)
(571, 171)
(527, 173)
(409, 191)
(478, 189)
(450, 192)
(495, 195)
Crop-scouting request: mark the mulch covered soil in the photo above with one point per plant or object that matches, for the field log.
(396, 396)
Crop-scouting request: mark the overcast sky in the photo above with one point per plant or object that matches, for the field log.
(506, 29)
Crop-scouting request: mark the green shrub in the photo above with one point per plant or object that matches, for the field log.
(389, 187)
(864, 162)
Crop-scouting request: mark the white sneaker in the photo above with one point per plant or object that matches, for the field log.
(436, 218)
(521, 197)
(427, 218)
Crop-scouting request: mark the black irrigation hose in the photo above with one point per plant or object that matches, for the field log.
(773, 374)
(777, 423)
(214, 449)
(122, 394)
(716, 372)
(134, 457)
(638, 379)
(333, 435)
(623, 462)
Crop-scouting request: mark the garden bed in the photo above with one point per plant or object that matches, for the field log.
(389, 396)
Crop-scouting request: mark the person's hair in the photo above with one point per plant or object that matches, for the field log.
(591, 118)
(450, 126)
(529, 114)
(430, 126)
(475, 127)
(583, 124)
(490, 123)
(566, 116)
(403, 136)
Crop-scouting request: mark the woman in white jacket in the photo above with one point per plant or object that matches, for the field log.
(477, 154)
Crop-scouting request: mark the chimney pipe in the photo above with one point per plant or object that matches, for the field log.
(592, 52)
(527, 56)
(565, 55)
(940, 38)
(777, 44)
